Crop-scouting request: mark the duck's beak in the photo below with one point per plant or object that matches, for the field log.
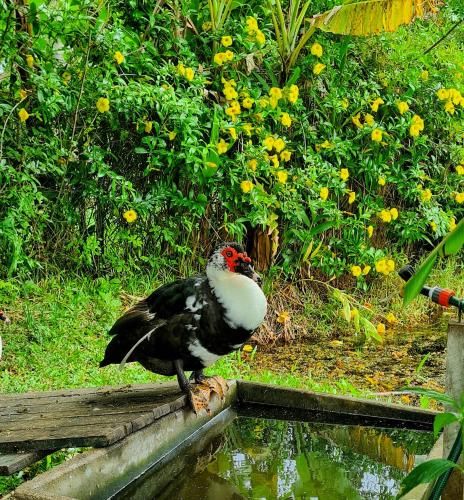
(245, 267)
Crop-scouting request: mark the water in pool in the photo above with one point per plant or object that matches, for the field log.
(254, 458)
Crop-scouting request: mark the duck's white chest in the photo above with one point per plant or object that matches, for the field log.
(243, 300)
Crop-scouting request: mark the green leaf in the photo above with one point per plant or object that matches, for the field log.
(425, 472)
(443, 419)
(370, 330)
(450, 245)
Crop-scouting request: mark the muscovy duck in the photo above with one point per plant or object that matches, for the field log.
(190, 323)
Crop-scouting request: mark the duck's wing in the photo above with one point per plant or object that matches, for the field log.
(163, 304)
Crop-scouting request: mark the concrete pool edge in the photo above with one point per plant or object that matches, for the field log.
(100, 473)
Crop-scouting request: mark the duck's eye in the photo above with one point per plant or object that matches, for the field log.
(229, 253)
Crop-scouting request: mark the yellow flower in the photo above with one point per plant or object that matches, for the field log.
(181, 69)
(285, 155)
(433, 226)
(449, 107)
(381, 266)
(246, 186)
(390, 265)
(417, 120)
(283, 317)
(247, 128)
(30, 61)
(233, 110)
(356, 271)
(380, 328)
(273, 101)
(402, 107)
(189, 74)
(282, 176)
(391, 318)
(260, 38)
(233, 133)
(394, 213)
(226, 41)
(369, 119)
(353, 313)
(130, 216)
(22, 94)
(228, 55)
(269, 142)
(247, 102)
(452, 224)
(344, 174)
(455, 96)
(23, 115)
(414, 130)
(207, 25)
(148, 127)
(279, 145)
(316, 49)
(252, 164)
(247, 348)
(324, 193)
(103, 104)
(119, 57)
(222, 146)
(376, 103)
(293, 93)
(275, 160)
(370, 231)
(426, 195)
(443, 94)
(351, 197)
(344, 103)
(252, 24)
(424, 75)
(318, 68)
(220, 58)
(376, 135)
(286, 120)
(230, 93)
(66, 77)
(385, 215)
(356, 119)
(275, 92)
(172, 135)
(366, 269)
(382, 181)
(211, 164)
(460, 169)
(459, 197)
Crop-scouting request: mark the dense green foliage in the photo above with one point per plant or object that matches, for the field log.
(114, 107)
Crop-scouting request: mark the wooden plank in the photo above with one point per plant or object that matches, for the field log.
(11, 463)
(157, 392)
(105, 403)
(86, 417)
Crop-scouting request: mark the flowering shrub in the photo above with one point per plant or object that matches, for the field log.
(137, 136)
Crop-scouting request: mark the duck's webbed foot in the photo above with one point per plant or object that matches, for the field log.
(198, 398)
(198, 376)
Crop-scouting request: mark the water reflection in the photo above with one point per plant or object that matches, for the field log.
(271, 459)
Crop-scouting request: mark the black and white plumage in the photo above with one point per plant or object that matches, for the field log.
(190, 323)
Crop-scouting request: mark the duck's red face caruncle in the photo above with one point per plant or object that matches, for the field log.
(234, 259)
(237, 261)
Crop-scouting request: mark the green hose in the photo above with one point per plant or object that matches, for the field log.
(453, 456)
